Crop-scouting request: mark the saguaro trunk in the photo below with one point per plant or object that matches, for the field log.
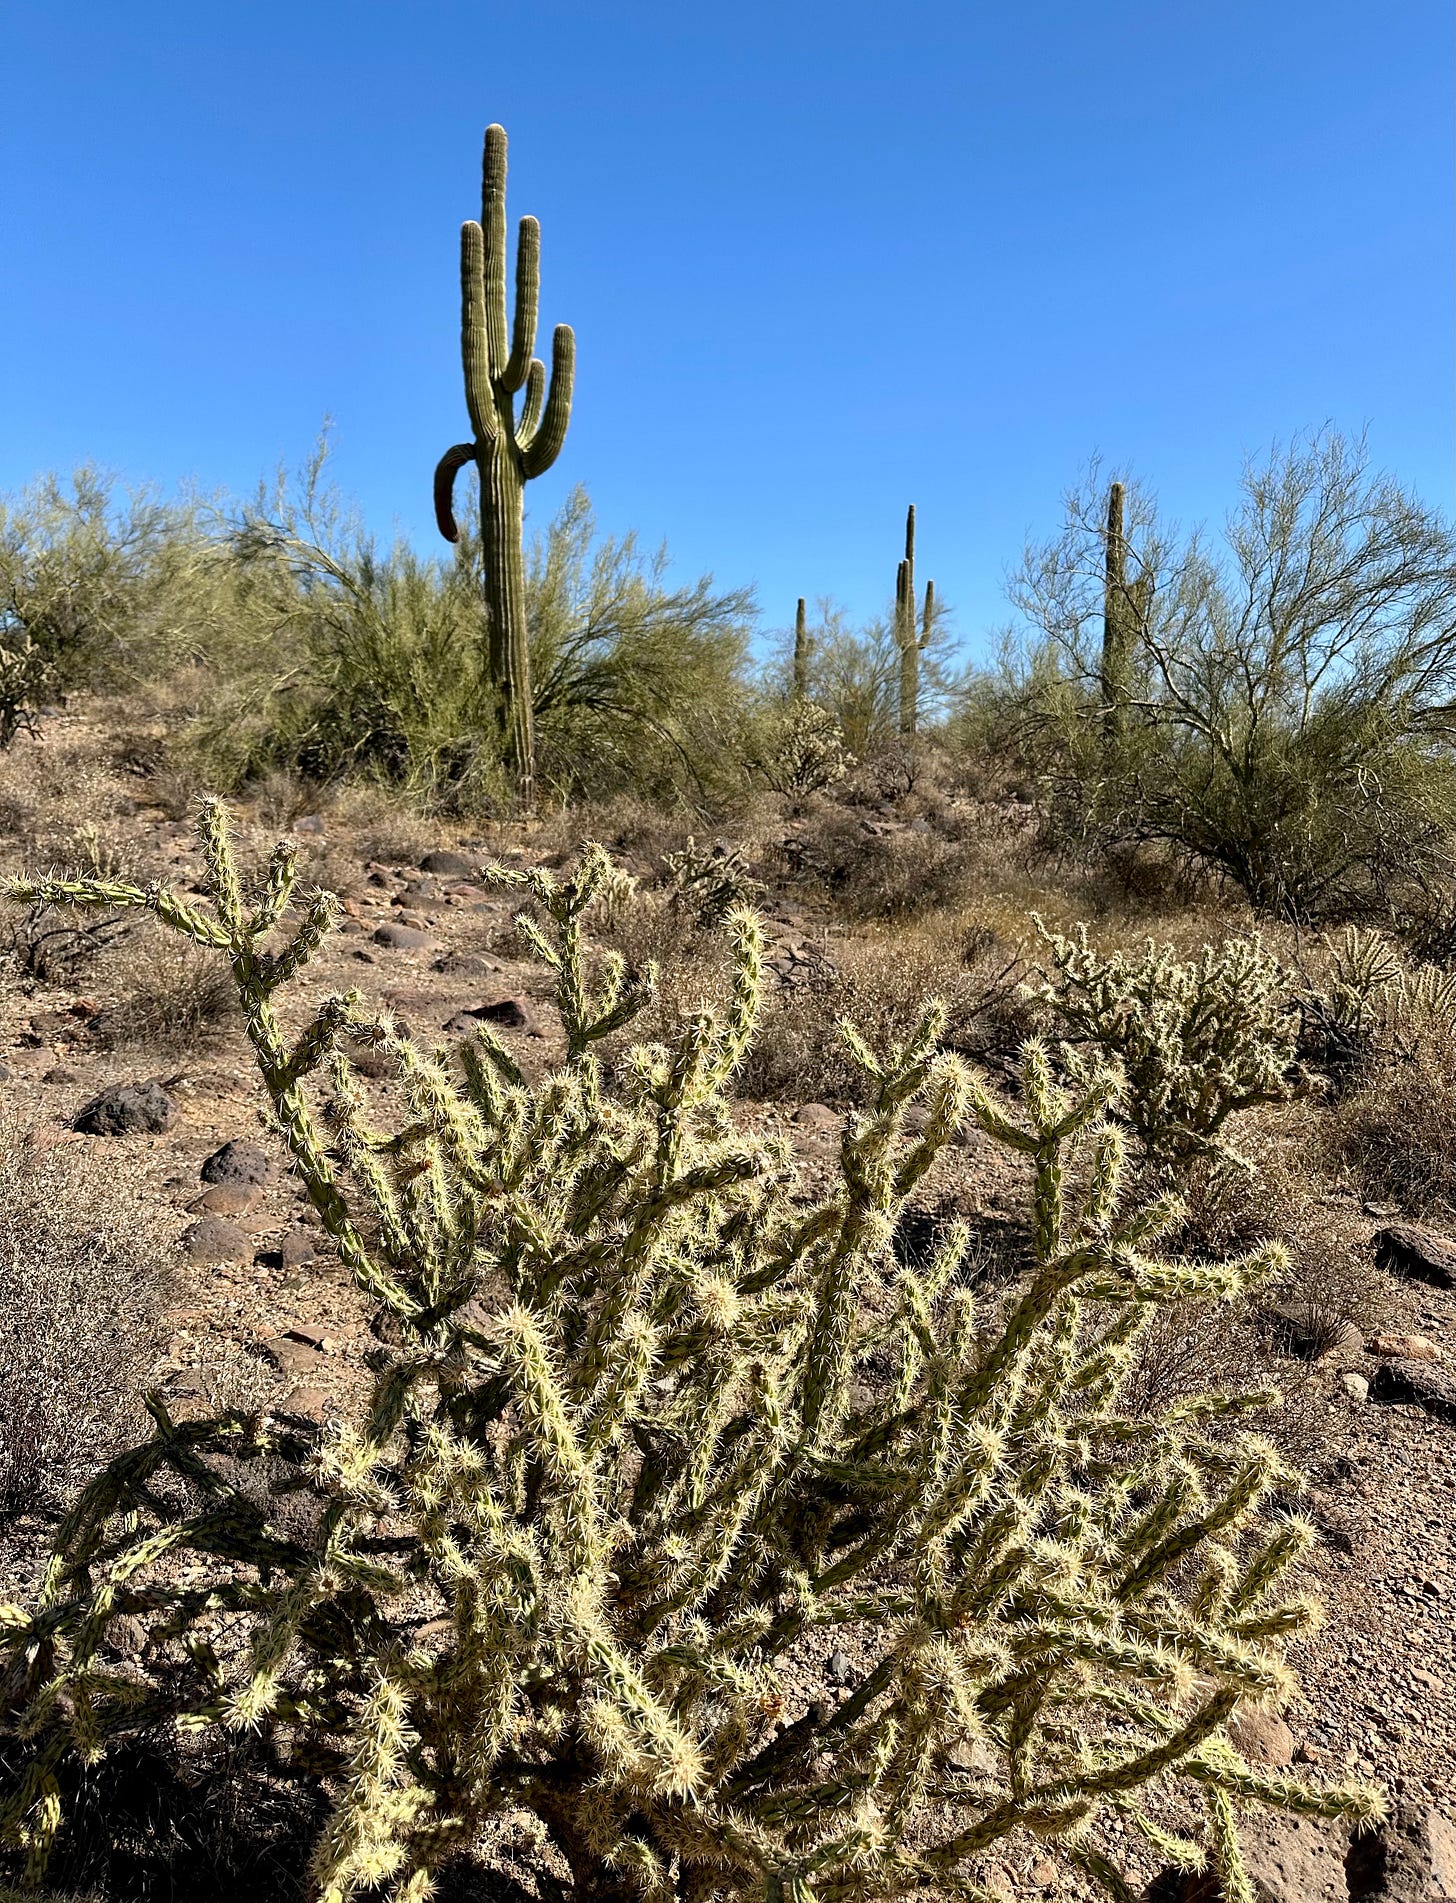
(507, 449)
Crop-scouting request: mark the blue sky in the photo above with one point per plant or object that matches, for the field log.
(822, 260)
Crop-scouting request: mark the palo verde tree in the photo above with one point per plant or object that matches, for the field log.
(507, 449)
(1285, 705)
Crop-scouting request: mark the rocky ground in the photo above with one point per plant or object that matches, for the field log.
(266, 1309)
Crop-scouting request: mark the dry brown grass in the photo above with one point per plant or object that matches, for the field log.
(162, 993)
(85, 1266)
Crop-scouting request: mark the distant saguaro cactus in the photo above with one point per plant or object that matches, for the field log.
(801, 651)
(507, 449)
(912, 639)
(1124, 612)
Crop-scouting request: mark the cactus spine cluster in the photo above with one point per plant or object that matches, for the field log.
(1124, 615)
(657, 1431)
(912, 634)
(508, 450)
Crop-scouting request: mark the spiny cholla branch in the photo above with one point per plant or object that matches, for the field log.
(640, 1442)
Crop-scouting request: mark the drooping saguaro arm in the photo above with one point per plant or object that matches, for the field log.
(911, 640)
(507, 449)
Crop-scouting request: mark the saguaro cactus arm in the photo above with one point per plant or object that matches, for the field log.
(508, 450)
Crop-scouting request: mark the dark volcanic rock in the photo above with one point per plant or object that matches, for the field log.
(239, 1163)
(450, 865)
(1412, 1859)
(1417, 1384)
(142, 1109)
(1417, 1254)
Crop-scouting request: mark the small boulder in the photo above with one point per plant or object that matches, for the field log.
(1262, 1737)
(512, 1014)
(1404, 1347)
(400, 937)
(238, 1163)
(1417, 1254)
(213, 1239)
(817, 1116)
(225, 1199)
(450, 865)
(1411, 1859)
(1289, 1860)
(141, 1109)
(311, 826)
(1356, 1387)
(296, 1249)
(1423, 1384)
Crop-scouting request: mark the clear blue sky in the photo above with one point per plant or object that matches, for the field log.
(821, 260)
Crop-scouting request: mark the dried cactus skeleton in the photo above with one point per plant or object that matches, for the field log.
(643, 1443)
(507, 450)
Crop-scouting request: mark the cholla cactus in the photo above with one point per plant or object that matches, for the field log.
(806, 751)
(643, 1451)
(1197, 1040)
(714, 879)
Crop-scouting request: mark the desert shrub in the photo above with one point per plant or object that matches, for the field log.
(160, 993)
(1199, 1040)
(1397, 1131)
(655, 1430)
(878, 980)
(1281, 707)
(879, 868)
(94, 590)
(710, 881)
(83, 1275)
(799, 748)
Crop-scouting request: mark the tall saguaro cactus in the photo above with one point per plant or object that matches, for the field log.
(911, 639)
(1124, 613)
(801, 651)
(507, 448)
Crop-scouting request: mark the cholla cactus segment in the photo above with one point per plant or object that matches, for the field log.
(644, 1450)
(712, 879)
(1196, 1041)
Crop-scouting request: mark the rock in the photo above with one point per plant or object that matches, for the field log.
(62, 1074)
(1404, 1347)
(238, 1164)
(1422, 1384)
(293, 1356)
(127, 1634)
(296, 1249)
(141, 1109)
(1356, 1386)
(1412, 1859)
(315, 1337)
(512, 1014)
(420, 898)
(1312, 1333)
(450, 865)
(1417, 1254)
(309, 1402)
(839, 1669)
(1262, 1737)
(311, 825)
(215, 1239)
(1289, 1860)
(817, 1116)
(1044, 1874)
(466, 965)
(401, 937)
(972, 1755)
(225, 1199)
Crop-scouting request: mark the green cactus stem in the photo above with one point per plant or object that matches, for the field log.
(912, 640)
(1124, 615)
(801, 652)
(508, 449)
